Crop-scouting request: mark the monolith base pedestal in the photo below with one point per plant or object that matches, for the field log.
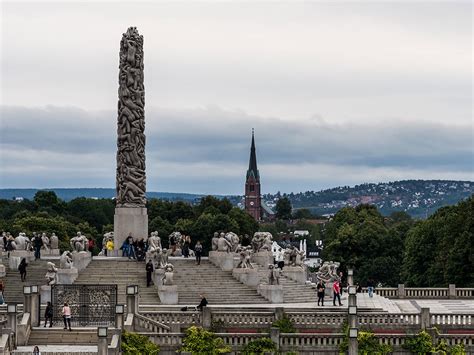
(130, 221)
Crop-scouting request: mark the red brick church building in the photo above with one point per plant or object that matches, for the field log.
(253, 200)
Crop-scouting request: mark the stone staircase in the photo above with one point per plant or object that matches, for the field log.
(219, 287)
(56, 335)
(34, 276)
(120, 271)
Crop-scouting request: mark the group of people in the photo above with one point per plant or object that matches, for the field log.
(133, 248)
(336, 291)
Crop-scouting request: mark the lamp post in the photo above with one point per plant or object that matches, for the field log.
(26, 299)
(119, 311)
(35, 306)
(12, 310)
(102, 345)
(352, 318)
(132, 299)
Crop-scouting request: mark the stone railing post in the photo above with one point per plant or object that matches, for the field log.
(12, 323)
(401, 291)
(206, 317)
(279, 313)
(132, 299)
(275, 336)
(102, 345)
(119, 314)
(35, 306)
(425, 318)
(452, 291)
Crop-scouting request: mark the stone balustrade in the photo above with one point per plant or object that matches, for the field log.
(238, 340)
(236, 319)
(150, 324)
(450, 292)
(185, 319)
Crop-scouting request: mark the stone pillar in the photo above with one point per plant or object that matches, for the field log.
(273, 293)
(452, 291)
(425, 318)
(67, 276)
(401, 291)
(119, 320)
(263, 258)
(275, 336)
(130, 213)
(279, 313)
(132, 304)
(295, 273)
(157, 277)
(168, 294)
(102, 346)
(35, 309)
(81, 260)
(248, 277)
(3, 271)
(45, 292)
(12, 323)
(206, 317)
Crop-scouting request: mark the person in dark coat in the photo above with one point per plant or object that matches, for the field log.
(149, 270)
(320, 287)
(37, 244)
(203, 303)
(22, 269)
(198, 252)
(48, 314)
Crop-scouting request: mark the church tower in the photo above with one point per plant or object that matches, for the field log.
(253, 204)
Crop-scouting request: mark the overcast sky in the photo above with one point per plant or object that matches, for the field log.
(339, 93)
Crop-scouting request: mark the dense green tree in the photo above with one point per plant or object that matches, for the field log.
(302, 213)
(439, 251)
(358, 238)
(245, 222)
(283, 208)
(96, 212)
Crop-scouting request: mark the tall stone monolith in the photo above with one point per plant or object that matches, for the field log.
(130, 213)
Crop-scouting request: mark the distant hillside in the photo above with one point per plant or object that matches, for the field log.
(419, 198)
(72, 193)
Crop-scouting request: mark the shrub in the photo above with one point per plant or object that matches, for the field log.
(259, 346)
(284, 324)
(201, 341)
(422, 343)
(368, 343)
(135, 344)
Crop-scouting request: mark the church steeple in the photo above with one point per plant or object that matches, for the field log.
(253, 160)
(253, 203)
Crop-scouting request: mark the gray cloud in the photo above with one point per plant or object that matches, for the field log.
(207, 149)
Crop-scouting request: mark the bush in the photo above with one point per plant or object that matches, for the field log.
(201, 341)
(368, 343)
(135, 344)
(422, 343)
(285, 325)
(259, 346)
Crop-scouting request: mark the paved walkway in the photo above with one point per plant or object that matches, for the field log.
(53, 349)
(437, 306)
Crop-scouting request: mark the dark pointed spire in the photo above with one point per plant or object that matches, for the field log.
(253, 160)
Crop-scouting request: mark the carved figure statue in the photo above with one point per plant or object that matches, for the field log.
(223, 244)
(79, 242)
(54, 241)
(234, 241)
(131, 178)
(22, 242)
(65, 260)
(244, 262)
(328, 271)
(273, 275)
(214, 240)
(154, 242)
(46, 242)
(168, 278)
(51, 275)
(262, 241)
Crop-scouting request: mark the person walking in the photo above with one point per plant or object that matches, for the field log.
(22, 269)
(149, 270)
(48, 314)
(198, 252)
(336, 290)
(280, 259)
(320, 287)
(370, 287)
(36, 351)
(67, 316)
(109, 246)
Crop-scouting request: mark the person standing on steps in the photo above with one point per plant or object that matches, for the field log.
(22, 269)
(149, 270)
(67, 316)
(37, 244)
(320, 287)
(370, 287)
(336, 290)
(48, 314)
(198, 252)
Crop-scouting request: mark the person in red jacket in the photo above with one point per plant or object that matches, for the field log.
(336, 290)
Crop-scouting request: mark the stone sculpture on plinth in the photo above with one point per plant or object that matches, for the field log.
(52, 274)
(79, 242)
(262, 248)
(54, 241)
(67, 273)
(130, 213)
(168, 291)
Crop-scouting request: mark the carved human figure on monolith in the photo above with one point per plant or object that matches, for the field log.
(65, 260)
(223, 244)
(79, 242)
(51, 274)
(54, 241)
(46, 241)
